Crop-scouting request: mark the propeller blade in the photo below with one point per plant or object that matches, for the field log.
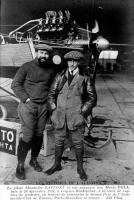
(121, 44)
(96, 27)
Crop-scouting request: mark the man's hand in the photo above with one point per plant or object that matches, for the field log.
(89, 120)
(27, 100)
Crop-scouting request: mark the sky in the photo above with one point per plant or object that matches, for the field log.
(115, 17)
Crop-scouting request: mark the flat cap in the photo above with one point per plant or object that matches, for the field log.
(43, 47)
(74, 55)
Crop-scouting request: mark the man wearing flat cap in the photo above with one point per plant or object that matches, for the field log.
(31, 85)
(71, 99)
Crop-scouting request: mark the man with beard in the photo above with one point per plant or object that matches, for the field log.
(31, 85)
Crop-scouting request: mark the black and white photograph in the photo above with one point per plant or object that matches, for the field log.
(67, 92)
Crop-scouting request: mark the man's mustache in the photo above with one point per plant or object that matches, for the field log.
(42, 59)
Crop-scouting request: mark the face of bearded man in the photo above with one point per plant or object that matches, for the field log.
(42, 56)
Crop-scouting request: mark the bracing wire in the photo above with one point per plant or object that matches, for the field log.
(4, 81)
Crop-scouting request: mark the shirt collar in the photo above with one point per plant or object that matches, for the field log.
(74, 71)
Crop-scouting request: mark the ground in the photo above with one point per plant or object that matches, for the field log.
(112, 164)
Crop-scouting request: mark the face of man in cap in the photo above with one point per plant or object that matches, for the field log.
(42, 55)
(72, 64)
(73, 59)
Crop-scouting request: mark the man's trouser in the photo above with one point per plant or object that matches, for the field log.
(77, 137)
(33, 118)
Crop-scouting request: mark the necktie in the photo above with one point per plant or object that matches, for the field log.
(70, 77)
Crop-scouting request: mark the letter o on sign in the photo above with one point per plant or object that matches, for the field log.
(10, 136)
